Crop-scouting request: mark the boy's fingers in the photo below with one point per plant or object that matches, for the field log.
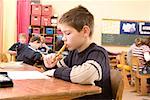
(59, 57)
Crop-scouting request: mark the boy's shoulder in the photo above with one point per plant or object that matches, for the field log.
(96, 47)
(92, 48)
(16, 44)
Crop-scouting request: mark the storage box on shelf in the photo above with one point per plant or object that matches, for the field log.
(36, 9)
(43, 22)
(49, 30)
(58, 35)
(47, 10)
(48, 39)
(36, 30)
(35, 20)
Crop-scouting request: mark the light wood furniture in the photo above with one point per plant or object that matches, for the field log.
(140, 79)
(3, 57)
(45, 89)
(125, 69)
(117, 84)
(113, 59)
(12, 57)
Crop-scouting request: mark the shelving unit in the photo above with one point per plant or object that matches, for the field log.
(43, 22)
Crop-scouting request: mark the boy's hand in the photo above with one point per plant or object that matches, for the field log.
(49, 72)
(49, 61)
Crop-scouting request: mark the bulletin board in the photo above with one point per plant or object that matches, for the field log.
(123, 32)
(119, 39)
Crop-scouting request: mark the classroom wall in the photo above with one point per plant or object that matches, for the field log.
(1, 24)
(9, 23)
(111, 9)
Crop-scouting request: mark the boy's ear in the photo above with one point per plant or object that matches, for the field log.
(86, 30)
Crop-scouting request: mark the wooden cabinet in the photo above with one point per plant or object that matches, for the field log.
(51, 34)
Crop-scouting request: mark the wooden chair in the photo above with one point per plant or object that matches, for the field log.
(116, 84)
(113, 59)
(140, 79)
(125, 69)
(12, 57)
(3, 57)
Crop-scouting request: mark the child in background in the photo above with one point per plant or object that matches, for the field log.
(22, 38)
(29, 53)
(44, 48)
(147, 54)
(86, 63)
(139, 49)
(137, 43)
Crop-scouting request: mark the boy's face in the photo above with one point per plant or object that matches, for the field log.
(36, 44)
(73, 38)
(22, 40)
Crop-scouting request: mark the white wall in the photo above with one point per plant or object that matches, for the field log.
(110, 9)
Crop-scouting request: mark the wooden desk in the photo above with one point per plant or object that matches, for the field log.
(141, 83)
(46, 89)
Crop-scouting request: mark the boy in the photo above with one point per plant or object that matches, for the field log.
(22, 40)
(29, 53)
(44, 48)
(86, 62)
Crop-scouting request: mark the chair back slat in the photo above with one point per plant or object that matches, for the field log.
(116, 84)
(135, 63)
(3, 57)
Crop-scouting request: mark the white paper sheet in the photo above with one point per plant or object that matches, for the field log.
(17, 64)
(20, 75)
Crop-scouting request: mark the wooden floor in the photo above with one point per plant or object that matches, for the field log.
(129, 94)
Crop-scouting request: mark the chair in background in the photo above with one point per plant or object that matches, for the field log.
(12, 57)
(140, 79)
(116, 84)
(3, 57)
(124, 68)
(113, 59)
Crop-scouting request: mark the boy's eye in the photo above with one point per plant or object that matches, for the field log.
(67, 33)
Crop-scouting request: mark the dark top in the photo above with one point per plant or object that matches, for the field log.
(28, 55)
(75, 59)
(14, 46)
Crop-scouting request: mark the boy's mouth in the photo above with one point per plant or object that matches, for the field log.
(67, 46)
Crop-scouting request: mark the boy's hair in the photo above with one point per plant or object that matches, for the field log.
(138, 41)
(22, 35)
(35, 38)
(42, 39)
(77, 18)
(147, 41)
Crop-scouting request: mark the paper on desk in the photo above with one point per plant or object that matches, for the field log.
(17, 64)
(20, 75)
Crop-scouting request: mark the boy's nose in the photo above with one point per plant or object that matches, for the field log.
(63, 38)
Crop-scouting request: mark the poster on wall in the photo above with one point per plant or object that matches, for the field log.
(144, 28)
(128, 27)
(110, 26)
